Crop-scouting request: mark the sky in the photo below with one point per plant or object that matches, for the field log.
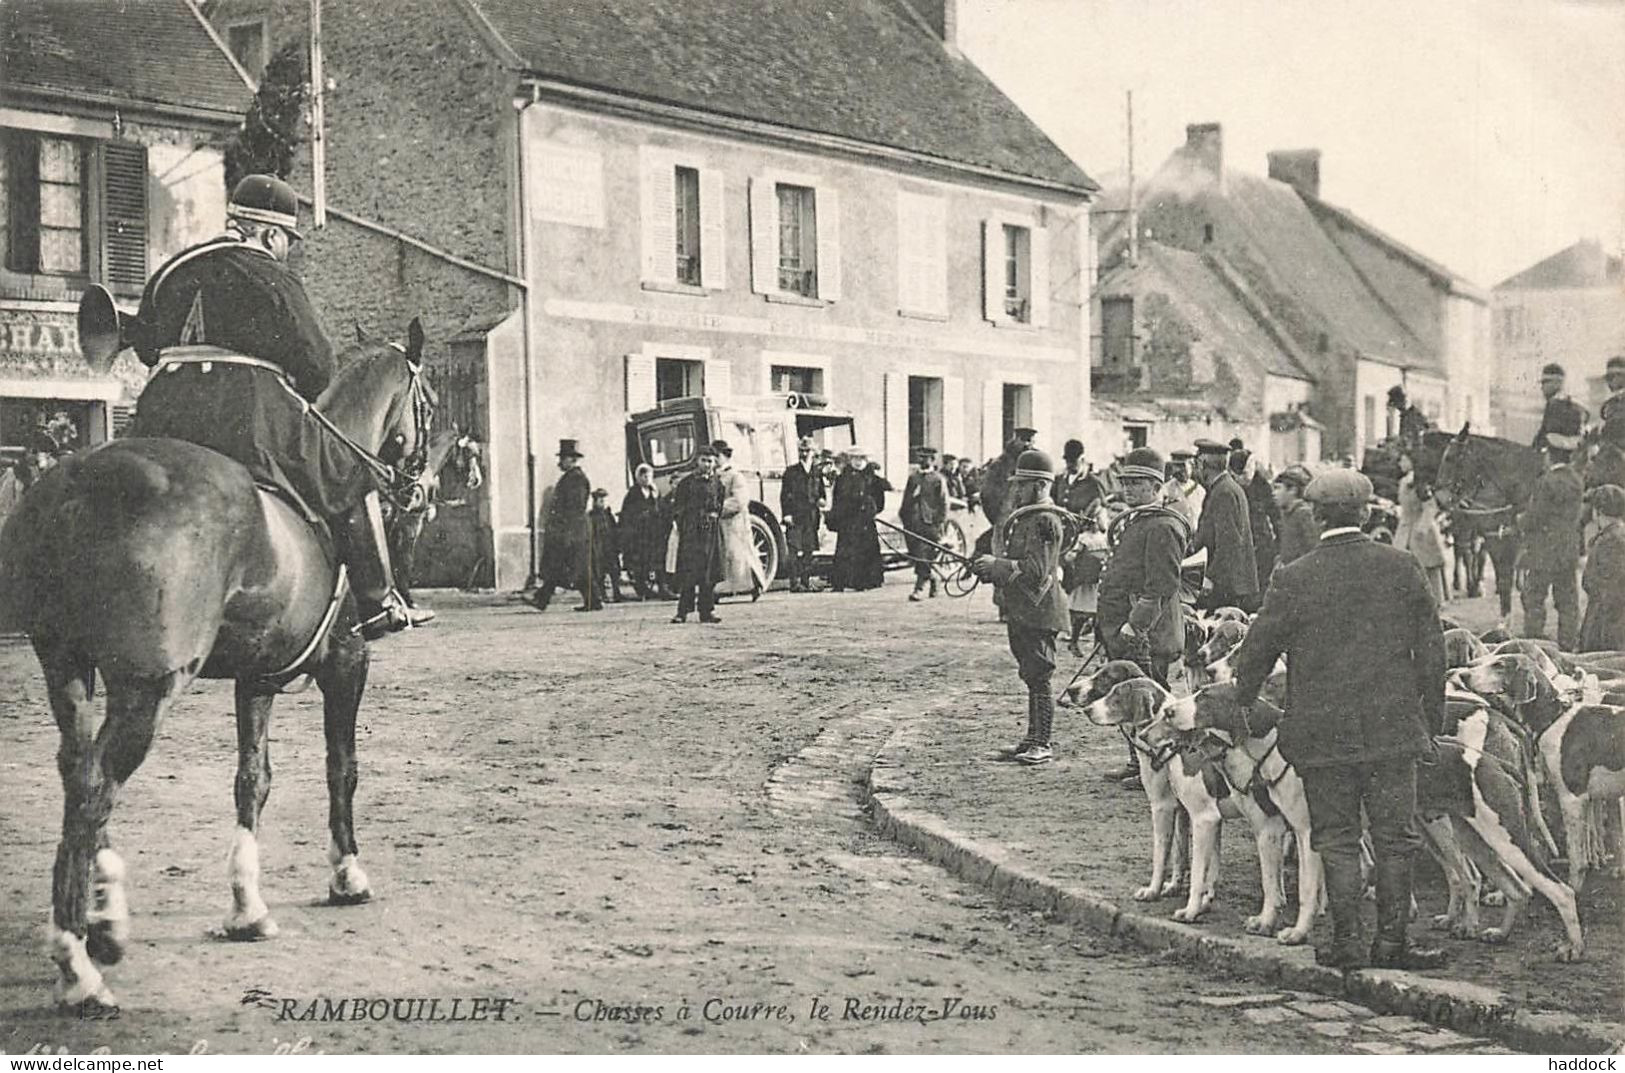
(1485, 134)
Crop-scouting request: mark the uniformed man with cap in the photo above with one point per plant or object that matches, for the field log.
(1299, 531)
(1182, 491)
(801, 501)
(1365, 670)
(1224, 529)
(1549, 528)
(1564, 420)
(1613, 407)
(233, 298)
(1028, 578)
(924, 512)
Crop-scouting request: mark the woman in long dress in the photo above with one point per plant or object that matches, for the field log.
(1418, 531)
(741, 566)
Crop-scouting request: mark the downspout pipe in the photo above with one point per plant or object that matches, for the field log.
(527, 329)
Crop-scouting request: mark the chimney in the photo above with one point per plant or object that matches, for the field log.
(942, 18)
(1298, 168)
(1205, 141)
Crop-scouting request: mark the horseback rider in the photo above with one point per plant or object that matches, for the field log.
(240, 357)
(1564, 419)
(1613, 407)
(1412, 422)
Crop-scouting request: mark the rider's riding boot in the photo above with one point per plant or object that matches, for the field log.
(1393, 949)
(366, 553)
(1345, 891)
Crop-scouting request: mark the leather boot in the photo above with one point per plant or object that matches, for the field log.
(1345, 891)
(365, 550)
(1392, 948)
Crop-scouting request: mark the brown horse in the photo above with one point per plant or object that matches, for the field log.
(1487, 481)
(155, 562)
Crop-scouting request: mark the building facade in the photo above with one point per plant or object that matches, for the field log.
(1568, 309)
(112, 123)
(589, 226)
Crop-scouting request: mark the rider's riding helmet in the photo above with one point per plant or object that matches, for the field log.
(265, 199)
(1034, 465)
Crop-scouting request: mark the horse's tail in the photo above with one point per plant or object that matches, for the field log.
(119, 552)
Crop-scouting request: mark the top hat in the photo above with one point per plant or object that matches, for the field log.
(1236, 443)
(568, 449)
(599, 492)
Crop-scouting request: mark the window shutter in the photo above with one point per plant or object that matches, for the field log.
(895, 447)
(1042, 413)
(953, 415)
(719, 380)
(713, 231)
(764, 236)
(1038, 277)
(124, 216)
(908, 246)
(827, 210)
(992, 418)
(659, 196)
(934, 256)
(992, 272)
(640, 383)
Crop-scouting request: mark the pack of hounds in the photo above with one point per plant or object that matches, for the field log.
(1524, 722)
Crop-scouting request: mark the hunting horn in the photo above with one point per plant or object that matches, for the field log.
(104, 329)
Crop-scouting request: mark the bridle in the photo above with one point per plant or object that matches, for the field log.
(1464, 493)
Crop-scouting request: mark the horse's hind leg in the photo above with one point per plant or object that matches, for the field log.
(92, 922)
(342, 678)
(250, 919)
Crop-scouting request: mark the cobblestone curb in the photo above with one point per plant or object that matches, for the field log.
(1450, 1004)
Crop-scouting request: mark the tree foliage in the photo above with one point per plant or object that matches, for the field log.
(268, 141)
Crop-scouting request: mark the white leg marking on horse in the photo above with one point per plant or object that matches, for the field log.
(250, 917)
(349, 882)
(79, 979)
(109, 906)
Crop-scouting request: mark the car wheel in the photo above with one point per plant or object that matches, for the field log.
(767, 548)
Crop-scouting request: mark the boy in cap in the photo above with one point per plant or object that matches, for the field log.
(924, 513)
(1604, 627)
(1028, 578)
(1182, 491)
(1365, 676)
(1299, 532)
(604, 560)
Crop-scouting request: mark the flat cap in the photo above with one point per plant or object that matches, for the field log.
(1616, 364)
(1211, 447)
(722, 447)
(1180, 455)
(1608, 499)
(1024, 433)
(1295, 476)
(1552, 369)
(705, 450)
(1340, 487)
(925, 452)
(1141, 463)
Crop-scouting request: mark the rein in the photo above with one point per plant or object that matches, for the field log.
(401, 484)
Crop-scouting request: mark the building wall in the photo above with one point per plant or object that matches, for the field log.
(1469, 363)
(1372, 382)
(593, 310)
(1579, 328)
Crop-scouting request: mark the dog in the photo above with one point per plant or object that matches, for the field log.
(1140, 703)
(1213, 659)
(1461, 647)
(1266, 790)
(1581, 745)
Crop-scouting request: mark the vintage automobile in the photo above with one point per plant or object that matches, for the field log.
(763, 432)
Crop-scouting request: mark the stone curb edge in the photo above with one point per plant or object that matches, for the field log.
(1463, 1007)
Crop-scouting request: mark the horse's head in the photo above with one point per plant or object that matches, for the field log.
(381, 398)
(1460, 470)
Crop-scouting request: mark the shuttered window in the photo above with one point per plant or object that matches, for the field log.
(124, 216)
(683, 236)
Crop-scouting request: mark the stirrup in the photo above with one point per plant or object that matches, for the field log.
(392, 616)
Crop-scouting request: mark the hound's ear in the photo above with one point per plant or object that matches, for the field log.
(414, 341)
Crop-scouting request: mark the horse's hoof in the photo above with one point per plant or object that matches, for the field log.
(257, 931)
(98, 1007)
(105, 941)
(1494, 936)
(339, 897)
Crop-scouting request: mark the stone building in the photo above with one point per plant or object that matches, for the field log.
(1568, 308)
(112, 122)
(598, 206)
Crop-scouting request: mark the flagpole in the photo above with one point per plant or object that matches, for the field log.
(318, 134)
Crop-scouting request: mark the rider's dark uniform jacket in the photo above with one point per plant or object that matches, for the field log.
(235, 296)
(1613, 420)
(1563, 416)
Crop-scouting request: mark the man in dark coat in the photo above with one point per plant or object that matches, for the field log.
(1225, 531)
(971, 482)
(801, 501)
(1412, 422)
(1028, 576)
(1550, 528)
(924, 513)
(697, 508)
(852, 511)
(1365, 670)
(1299, 531)
(1612, 430)
(1604, 627)
(604, 558)
(566, 537)
(1563, 421)
(1263, 515)
(644, 529)
(239, 356)
(1139, 616)
(954, 478)
(1076, 488)
(996, 474)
